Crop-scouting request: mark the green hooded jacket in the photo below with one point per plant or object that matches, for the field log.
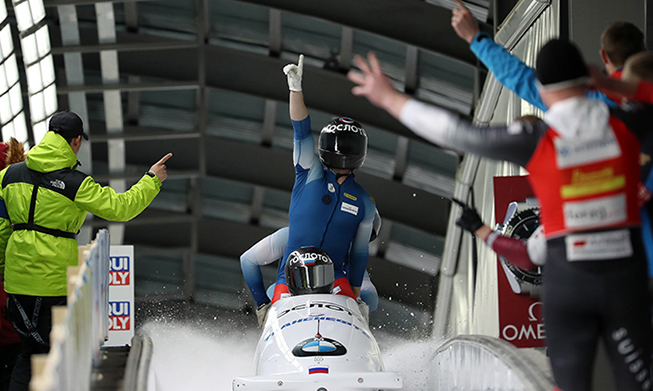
(35, 261)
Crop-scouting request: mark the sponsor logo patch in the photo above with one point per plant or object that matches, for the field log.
(349, 208)
(595, 213)
(119, 273)
(571, 153)
(119, 315)
(351, 197)
(585, 184)
(58, 184)
(597, 246)
(331, 188)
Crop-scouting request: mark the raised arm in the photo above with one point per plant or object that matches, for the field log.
(304, 150)
(515, 143)
(104, 202)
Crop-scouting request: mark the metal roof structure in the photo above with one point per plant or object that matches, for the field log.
(203, 79)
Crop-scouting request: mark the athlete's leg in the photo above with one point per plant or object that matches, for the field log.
(571, 319)
(627, 331)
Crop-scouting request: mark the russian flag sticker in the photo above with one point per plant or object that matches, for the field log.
(318, 369)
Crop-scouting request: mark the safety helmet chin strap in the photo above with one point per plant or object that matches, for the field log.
(338, 176)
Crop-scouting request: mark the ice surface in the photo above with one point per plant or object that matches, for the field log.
(206, 355)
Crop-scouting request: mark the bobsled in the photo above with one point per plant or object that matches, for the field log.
(317, 342)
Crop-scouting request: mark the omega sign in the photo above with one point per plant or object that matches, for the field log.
(532, 330)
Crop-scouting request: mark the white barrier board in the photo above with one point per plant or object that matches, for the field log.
(121, 296)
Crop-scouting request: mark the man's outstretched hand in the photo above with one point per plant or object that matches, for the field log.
(159, 168)
(375, 86)
(463, 22)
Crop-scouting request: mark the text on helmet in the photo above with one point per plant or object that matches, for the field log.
(344, 128)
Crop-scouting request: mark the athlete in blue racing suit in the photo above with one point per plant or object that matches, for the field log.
(328, 209)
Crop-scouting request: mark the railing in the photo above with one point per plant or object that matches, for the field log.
(477, 362)
(80, 328)
(138, 363)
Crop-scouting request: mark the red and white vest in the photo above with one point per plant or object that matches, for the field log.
(583, 185)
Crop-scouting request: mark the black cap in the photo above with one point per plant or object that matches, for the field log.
(67, 124)
(560, 65)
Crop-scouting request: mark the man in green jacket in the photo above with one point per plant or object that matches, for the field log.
(47, 200)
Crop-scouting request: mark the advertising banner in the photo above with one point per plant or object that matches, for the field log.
(520, 316)
(121, 296)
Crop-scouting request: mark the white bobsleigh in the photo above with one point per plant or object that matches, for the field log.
(317, 342)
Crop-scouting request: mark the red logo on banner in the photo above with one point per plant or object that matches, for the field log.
(119, 323)
(120, 273)
(520, 317)
(119, 315)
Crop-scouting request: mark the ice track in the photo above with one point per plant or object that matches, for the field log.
(208, 355)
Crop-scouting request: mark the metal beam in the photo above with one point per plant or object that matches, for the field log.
(131, 16)
(74, 71)
(413, 22)
(159, 135)
(346, 48)
(412, 72)
(269, 120)
(125, 47)
(263, 78)
(274, 35)
(55, 3)
(121, 87)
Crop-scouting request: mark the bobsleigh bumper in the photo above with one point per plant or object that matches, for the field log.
(320, 382)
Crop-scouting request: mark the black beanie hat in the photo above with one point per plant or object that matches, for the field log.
(559, 65)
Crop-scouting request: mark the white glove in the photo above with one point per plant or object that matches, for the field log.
(365, 310)
(294, 74)
(261, 313)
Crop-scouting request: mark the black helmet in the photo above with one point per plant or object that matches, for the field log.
(343, 144)
(309, 270)
(376, 225)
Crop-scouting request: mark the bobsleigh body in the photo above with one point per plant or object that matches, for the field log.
(317, 343)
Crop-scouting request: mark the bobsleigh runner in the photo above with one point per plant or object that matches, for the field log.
(317, 342)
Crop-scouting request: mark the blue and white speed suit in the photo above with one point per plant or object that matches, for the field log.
(270, 249)
(326, 214)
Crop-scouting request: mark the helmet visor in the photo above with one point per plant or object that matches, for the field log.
(346, 143)
(309, 278)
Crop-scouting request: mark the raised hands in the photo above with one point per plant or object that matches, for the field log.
(294, 73)
(463, 22)
(376, 86)
(159, 168)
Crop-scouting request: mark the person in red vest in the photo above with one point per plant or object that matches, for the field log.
(583, 160)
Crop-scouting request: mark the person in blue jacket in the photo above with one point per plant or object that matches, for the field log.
(619, 41)
(328, 209)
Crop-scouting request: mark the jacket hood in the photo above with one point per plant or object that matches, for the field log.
(579, 118)
(51, 154)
